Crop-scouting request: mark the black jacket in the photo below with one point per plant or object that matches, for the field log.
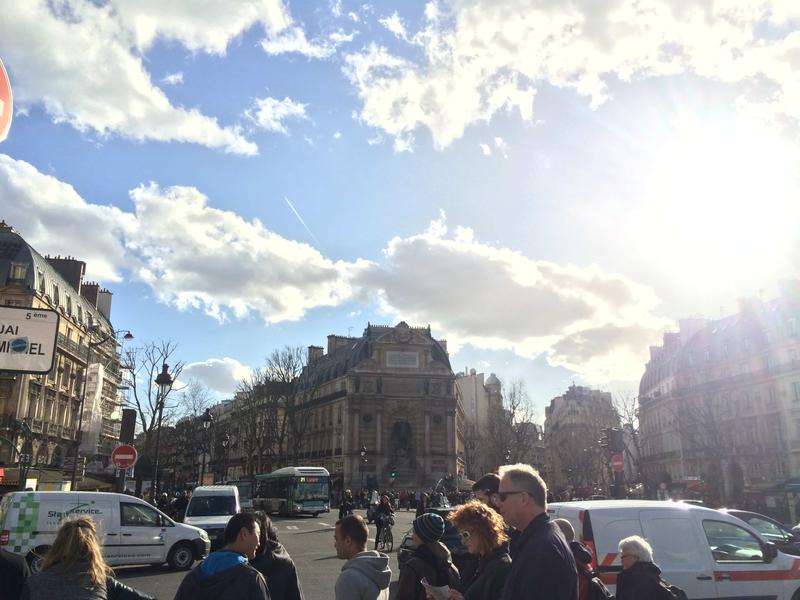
(431, 561)
(543, 566)
(488, 580)
(640, 581)
(116, 590)
(13, 573)
(241, 581)
(278, 569)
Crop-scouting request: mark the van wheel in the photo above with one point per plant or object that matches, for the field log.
(181, 557)
(36, 558)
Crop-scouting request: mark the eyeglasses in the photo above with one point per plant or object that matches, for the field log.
(505, 495)
(464, 535)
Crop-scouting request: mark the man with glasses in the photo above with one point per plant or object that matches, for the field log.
(485, 490)
(543, 566)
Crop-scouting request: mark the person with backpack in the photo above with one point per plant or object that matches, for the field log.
(640, 576)
(590, 587)
(274, 562)
(431, 560)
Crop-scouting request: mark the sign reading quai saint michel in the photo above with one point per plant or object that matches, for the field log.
(27, 339)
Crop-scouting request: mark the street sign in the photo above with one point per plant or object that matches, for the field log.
(124, 457)
(27, 339)
(6, 103)
(617, 463)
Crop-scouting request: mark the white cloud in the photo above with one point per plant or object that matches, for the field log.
(222, 375)
(337, 135)
(172, 79)
(102, 86)
(486, 149)
(394, 24)
(491, 297)
(270, 113)
(293, 40)
(474, 58)
(197, 257)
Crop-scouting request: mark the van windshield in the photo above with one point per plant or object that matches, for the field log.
(211, 506)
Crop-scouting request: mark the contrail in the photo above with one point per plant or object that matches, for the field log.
(299, 218)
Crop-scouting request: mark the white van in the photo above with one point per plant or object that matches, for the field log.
(210, 508)
(130, 530)
(706, 553)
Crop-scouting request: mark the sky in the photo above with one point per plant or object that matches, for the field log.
(550, 185)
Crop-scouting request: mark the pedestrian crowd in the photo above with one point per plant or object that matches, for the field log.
(518, 553)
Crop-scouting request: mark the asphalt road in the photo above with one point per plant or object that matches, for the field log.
(309, 541)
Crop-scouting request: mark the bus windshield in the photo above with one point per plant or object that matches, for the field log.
(211, 506)
(311, 491)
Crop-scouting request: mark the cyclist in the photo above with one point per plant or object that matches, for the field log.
(382, 514)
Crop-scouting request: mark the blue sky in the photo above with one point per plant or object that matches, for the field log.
(550, 185)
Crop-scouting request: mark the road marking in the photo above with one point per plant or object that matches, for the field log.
(326, 524)
(292, 527)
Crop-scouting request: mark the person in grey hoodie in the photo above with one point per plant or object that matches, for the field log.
(366, 574)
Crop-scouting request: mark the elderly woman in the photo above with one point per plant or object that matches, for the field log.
(640, 577)
(482, 531)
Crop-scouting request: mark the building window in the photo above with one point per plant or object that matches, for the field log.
(80, 314)
(40, 282)
(56, 296)
(18, 271)
(69, 306)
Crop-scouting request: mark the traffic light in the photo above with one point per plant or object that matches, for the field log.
(393, 475)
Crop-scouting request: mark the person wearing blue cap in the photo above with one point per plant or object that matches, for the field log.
(431, 560)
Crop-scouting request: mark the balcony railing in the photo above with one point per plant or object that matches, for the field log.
(75, 348)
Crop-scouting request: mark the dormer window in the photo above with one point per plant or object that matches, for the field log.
(56, 295)
(18, 271)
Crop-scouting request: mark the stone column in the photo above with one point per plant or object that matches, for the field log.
(380, 459)
(427, 443)
(355, 457)
(452, 461)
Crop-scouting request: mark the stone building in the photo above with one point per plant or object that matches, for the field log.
(390, 391)
(727, 424)
(50, 403)
(574, 423)
(482, 400)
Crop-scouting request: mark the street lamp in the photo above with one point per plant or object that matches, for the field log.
(164, 383)
(363, 453)
(226, 442)
(79, 434)
(507, 455)
(207, 419)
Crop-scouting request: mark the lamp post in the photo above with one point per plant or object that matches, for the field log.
(207, 420)
(363, 453)
(79, 434)
(507, 455)
(164, 383)
(21, 428)
(226, 442)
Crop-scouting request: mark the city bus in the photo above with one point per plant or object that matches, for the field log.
(245, 487)
(293, 491)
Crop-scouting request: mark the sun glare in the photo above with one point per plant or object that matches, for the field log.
(726, 196)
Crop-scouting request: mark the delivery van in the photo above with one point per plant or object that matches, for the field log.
(210, 508)
(130, 530)
(707, 553)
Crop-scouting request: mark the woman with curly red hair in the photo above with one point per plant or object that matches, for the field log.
(482, 531)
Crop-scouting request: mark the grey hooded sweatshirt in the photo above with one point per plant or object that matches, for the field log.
(366, 576)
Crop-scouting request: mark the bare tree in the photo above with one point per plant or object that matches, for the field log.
(627, 407)
(188, 431)
(512, 431)
(144, 364)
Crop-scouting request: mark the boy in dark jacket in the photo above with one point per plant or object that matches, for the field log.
(431, 560)
(226, 572)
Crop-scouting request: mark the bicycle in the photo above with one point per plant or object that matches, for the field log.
(386, 540)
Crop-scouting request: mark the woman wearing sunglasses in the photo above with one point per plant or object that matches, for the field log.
(482, 531)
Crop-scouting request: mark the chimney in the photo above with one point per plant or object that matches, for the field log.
(71, 269)
(314, 354)
(90, 292)
(104, 298)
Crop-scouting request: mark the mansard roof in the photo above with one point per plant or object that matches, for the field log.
(346, 356)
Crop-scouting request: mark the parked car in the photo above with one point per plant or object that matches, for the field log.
(464, 561)
(775, 532)
(130, 531)
(705, 552)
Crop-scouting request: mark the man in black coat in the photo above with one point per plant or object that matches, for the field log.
(226, 573)
(13, 573)
(543, 566)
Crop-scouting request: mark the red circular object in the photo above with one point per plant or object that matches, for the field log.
(6, 103)
(617, 463)
(124, 457)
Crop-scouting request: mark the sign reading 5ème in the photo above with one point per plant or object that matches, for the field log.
(27, 339)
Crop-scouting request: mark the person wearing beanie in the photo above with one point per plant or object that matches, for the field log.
(431, 560)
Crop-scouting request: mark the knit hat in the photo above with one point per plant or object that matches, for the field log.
(429, 527)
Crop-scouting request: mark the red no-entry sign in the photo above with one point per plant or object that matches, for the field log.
(617, 464)
(6, 103)
(124, 457)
